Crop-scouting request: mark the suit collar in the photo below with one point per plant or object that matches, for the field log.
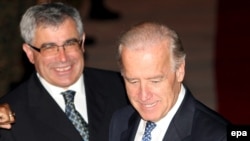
(181, 124)
(179, 128)
(96, 103)
(97, 99)
(44, 109)
(129, 134)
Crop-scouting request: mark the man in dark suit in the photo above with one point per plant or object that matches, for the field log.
(54, 37)
(152, 62)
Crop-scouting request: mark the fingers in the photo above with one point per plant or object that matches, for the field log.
(11, 117)
(7, 117)
(5, 126)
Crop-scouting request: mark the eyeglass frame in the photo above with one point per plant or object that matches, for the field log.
(39, 49)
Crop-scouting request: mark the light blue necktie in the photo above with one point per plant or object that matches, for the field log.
(75, 117)
(147, 133)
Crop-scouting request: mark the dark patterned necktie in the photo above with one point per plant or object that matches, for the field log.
(147, 133)
(74, 115)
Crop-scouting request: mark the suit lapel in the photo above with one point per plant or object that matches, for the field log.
(129, 134)
(96, 106)
(181, 125)
(48, 115)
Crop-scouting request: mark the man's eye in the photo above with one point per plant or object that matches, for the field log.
(71, 43)
(155, 81)
(49, 47)
(132, 81)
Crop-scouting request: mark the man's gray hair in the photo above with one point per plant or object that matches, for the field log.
(145, 34)
(48, 14)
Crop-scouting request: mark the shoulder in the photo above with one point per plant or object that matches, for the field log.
(105, 82)
(103, 78)
(203, 112)
(209, 123)
(205, 122)
(23, 91)
(210, 117)
(16, 94)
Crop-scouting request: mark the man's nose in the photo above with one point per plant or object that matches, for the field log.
(144, 92)
(61, 53)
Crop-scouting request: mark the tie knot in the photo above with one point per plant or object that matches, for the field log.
(150, 126)
(68, 96)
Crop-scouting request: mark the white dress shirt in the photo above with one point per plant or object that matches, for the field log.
(79, 100)
(162, 125)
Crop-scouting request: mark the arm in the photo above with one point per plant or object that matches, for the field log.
(7, 117)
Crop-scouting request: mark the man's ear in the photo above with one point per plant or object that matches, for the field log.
(29, 53)
(180, 72)
(83, 40)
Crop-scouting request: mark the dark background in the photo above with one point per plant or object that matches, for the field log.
(215, 34)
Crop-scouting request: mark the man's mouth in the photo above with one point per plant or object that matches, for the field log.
(61, 69)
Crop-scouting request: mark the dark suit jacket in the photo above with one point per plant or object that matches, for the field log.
(192, 122)
(39, 118)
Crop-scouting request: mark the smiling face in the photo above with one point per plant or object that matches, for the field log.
(152, 84)
(64, 68)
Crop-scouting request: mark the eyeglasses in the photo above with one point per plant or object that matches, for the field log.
(52, 49)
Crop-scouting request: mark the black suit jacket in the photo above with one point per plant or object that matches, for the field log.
(192, 122)
(39, 118)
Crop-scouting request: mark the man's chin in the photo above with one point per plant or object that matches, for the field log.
(63, 83)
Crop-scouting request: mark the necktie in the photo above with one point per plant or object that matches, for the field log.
(74, 115)
(147, 133)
